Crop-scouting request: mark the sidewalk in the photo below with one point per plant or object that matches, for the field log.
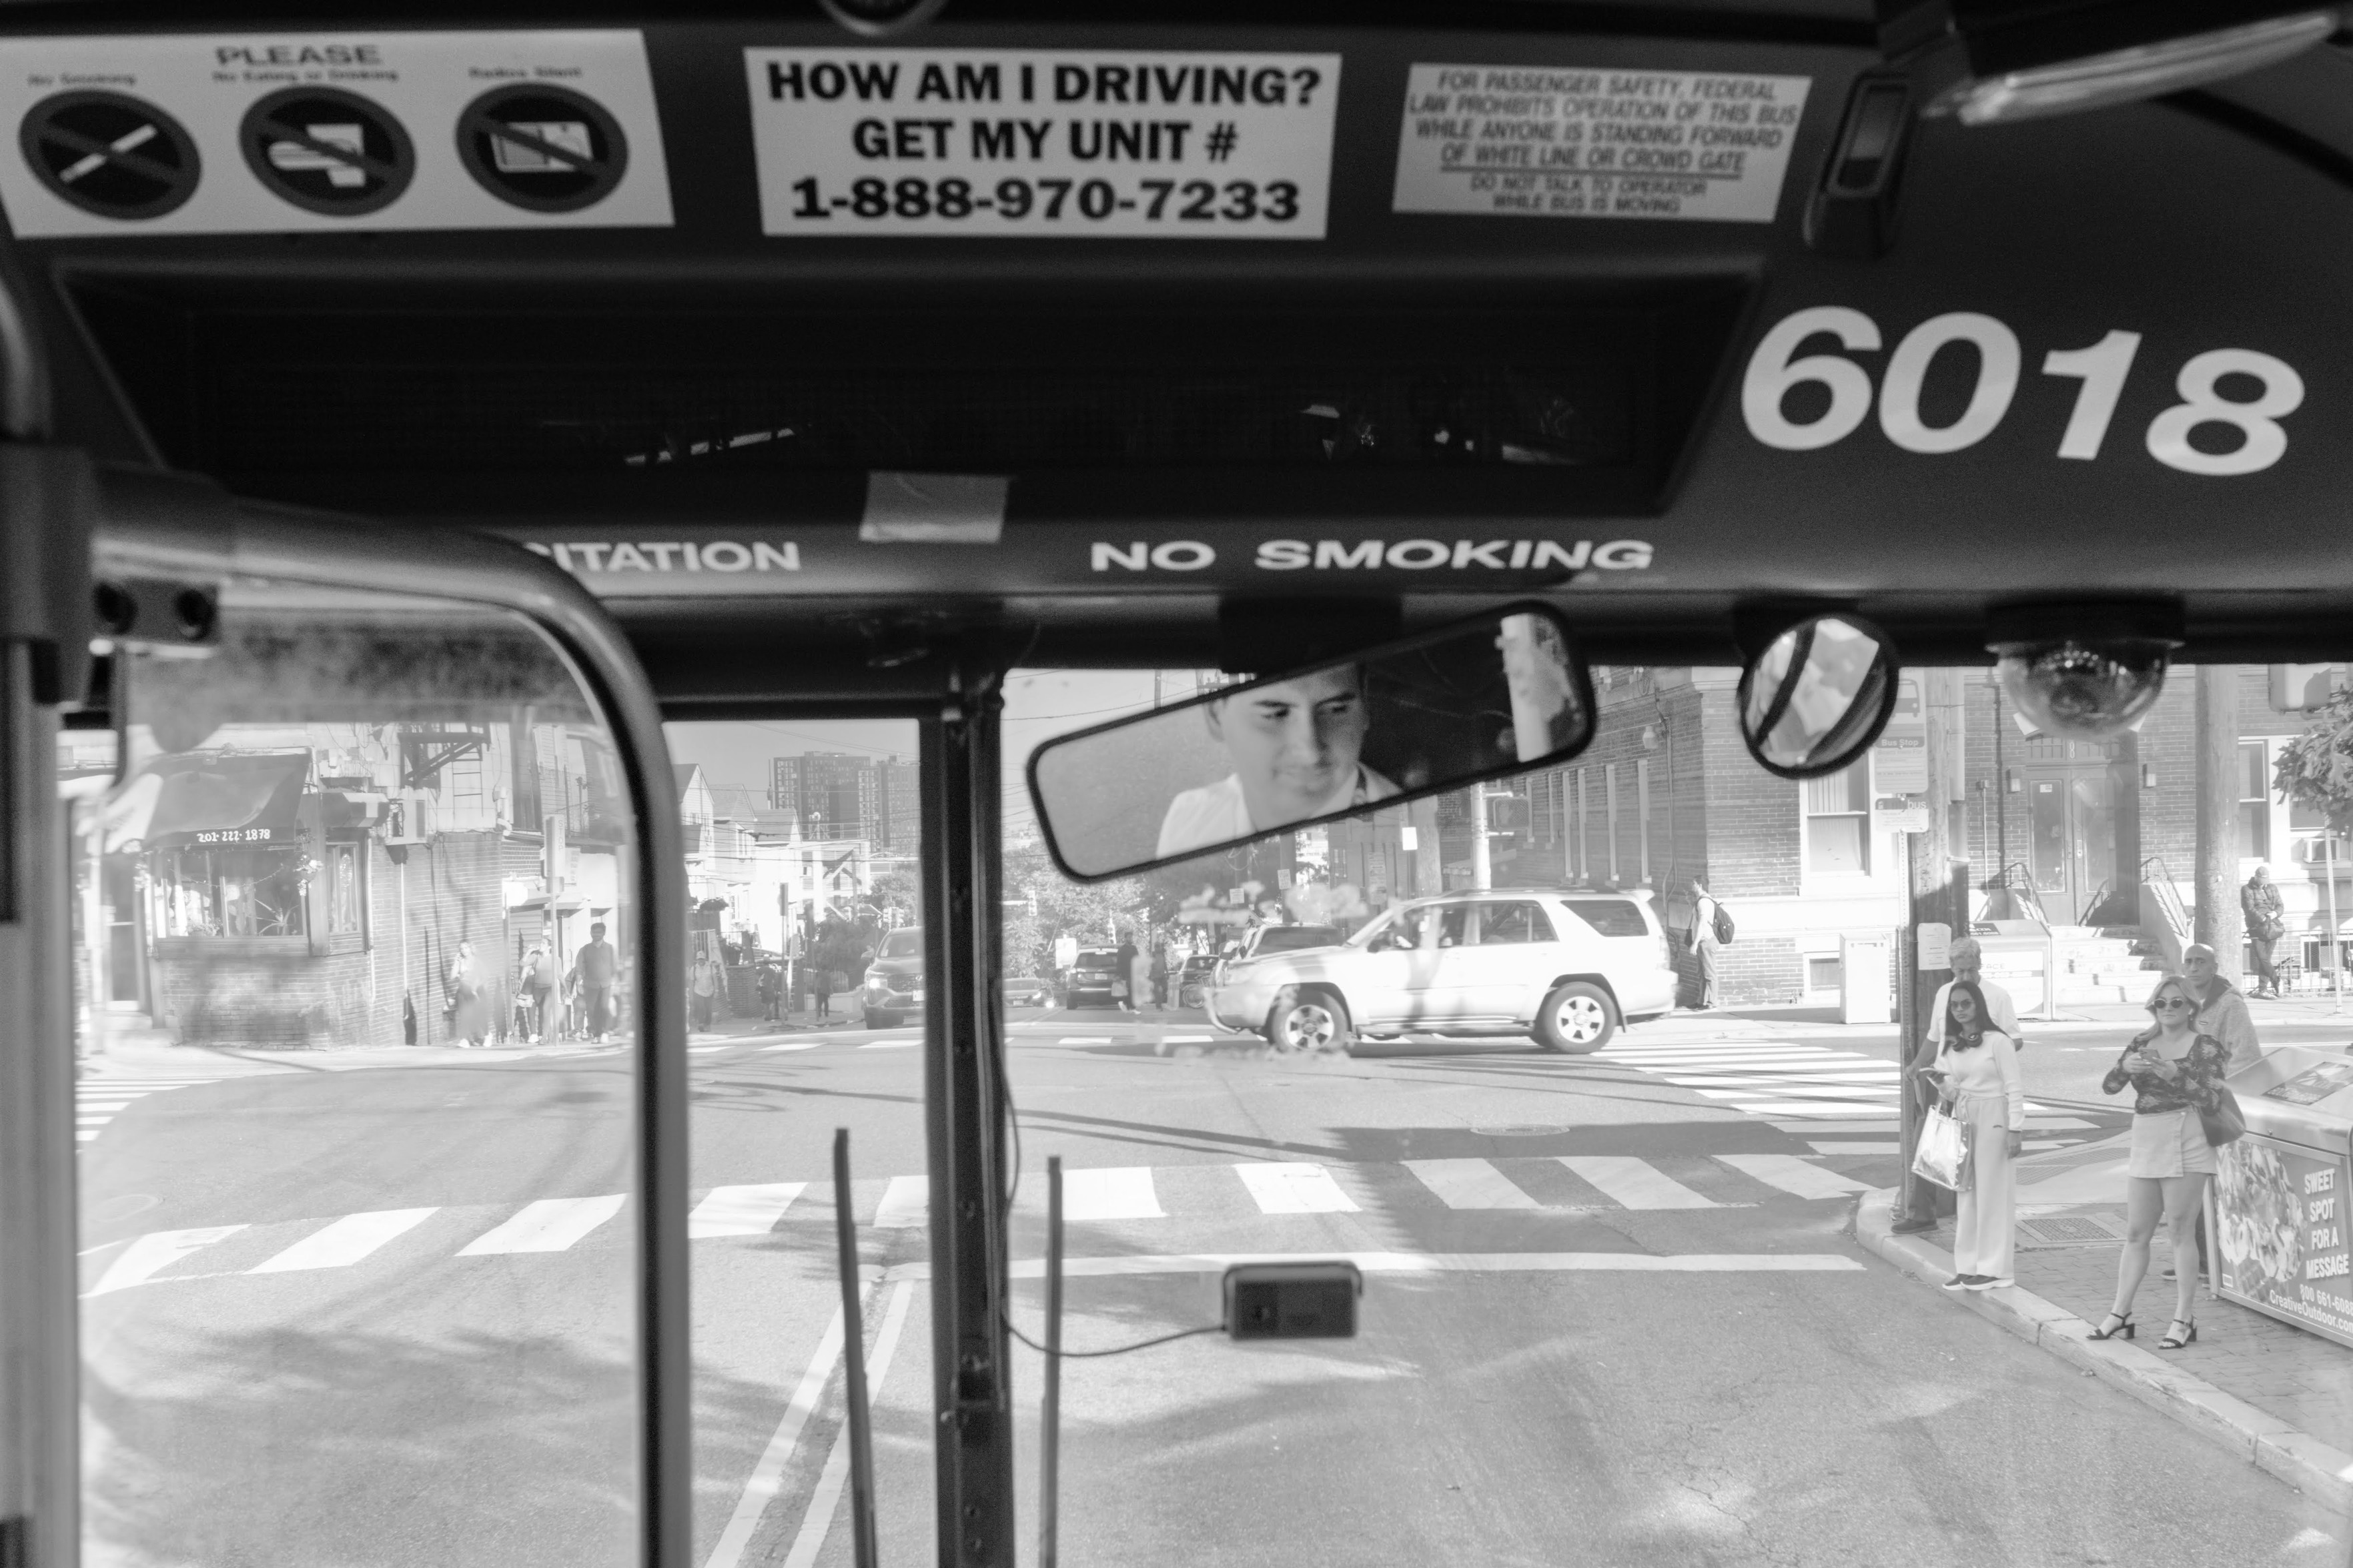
(2271, 1393)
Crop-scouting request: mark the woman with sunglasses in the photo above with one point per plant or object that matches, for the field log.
(2176, 1069)
(1977, 1070)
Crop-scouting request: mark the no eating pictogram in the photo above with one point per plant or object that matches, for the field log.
(544, 149)
(110, 153)
(328, 151)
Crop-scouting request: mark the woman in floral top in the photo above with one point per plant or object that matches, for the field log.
(2176, 1071)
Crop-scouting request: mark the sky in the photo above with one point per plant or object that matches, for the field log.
(1039, 705)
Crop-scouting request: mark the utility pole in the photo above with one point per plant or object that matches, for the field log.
(1937, 880)
(2218, 922)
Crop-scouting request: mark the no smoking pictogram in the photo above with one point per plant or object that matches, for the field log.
(110, 153)
(328, 151)
(544, 149)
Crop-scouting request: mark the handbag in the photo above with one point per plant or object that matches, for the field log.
(1942, 1156)
(2226, 1123)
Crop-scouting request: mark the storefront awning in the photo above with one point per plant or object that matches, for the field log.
(208, 798)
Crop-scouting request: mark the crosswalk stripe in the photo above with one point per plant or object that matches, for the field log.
(346, 1241)
(742, 1211)
(1814, 1107)
(906, 1203)
(156, 1251)
(1288, 1187)
(551, 1225)
(1471, 1185)
(1114, 1192)
(796, 1046)
(1880, 1097)
(1084, 1040)
(1794, 1080)
(1637, 1183)
(1792, 1175)
(889, 1045)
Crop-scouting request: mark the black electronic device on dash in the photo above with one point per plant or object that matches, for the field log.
(1292, 1300)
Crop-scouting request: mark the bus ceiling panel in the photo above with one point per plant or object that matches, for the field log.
(2102, 357)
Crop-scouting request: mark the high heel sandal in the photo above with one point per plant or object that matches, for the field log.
(2173, 1342)
(2124, 1327)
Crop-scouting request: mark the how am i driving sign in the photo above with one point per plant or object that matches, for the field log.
(1012, 142)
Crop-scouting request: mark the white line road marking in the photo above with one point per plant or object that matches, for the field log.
(702, 1050)
(742, 1211)
(889, 1045)
(906, 1203)
(345, 1242)
(1637, 1183)
(1880, 1097)
(769, 1474)
(1084, 1040)
(1118, 1192)
(1471, 1185)
(1843, 1148)
(819, 1521)
(1294, 1188)
(1442, 1262)
(796, 1046)
(156, 1251)
(551, 1225)
(1792, 1175)
(1812, 1108)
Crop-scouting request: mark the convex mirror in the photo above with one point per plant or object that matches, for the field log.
(1818, 696)
(1486, 696)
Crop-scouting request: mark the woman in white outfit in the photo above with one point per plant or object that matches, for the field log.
(1976, 1066)
(2176, 1071)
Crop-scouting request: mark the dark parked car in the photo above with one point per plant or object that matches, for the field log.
(1027, 991)
(1089, 980)
(894, 987)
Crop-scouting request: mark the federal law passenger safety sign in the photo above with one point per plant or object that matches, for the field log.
(1000, 143)
(267, 131)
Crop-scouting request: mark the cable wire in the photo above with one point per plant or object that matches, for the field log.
(1115, 1350)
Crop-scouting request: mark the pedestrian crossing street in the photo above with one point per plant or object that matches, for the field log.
(1207, 1193)
(99, 1100)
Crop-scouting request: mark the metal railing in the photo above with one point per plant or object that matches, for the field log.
(2019, 882)
(2156, 875)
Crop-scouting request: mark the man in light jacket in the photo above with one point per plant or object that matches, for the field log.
(2221, 1010)
(1968, 958)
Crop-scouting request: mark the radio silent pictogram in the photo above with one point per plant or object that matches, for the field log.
(110, 153)
(544, 149)
(328, 151)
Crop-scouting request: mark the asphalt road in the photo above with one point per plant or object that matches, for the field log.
(365, 1311)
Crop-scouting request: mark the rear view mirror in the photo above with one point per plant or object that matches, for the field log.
(1818, 696)
(1484, 697)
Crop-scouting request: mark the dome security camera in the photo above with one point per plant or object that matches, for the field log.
(2082, 673)
(881, 18)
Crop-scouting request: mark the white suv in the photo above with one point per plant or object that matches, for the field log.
(1565, 967)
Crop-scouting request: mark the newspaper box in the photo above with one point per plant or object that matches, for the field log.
(2281, 1192)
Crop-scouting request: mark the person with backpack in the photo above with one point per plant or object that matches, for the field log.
(1711, 931)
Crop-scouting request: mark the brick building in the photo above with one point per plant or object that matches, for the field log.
(1668, 793)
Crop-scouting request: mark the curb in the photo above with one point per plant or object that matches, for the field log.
(2317, 1470)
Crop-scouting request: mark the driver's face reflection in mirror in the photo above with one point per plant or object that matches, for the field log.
(1294, 746)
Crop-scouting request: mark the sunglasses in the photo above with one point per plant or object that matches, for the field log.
(2169, 1003)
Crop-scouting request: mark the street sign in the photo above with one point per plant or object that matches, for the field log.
(110, 153)
(1936, 939)
(1900, 814)
(1900, 758)
(327, 151)
(544, 149)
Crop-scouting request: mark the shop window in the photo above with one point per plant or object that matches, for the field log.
(1837, 823)
(1822, 974)
(2255, 802)
(230, 892)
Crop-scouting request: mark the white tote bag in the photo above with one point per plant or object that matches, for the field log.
(1943, 1154)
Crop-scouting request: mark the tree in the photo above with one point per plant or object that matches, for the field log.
(1092, 911)
(2315, 770)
